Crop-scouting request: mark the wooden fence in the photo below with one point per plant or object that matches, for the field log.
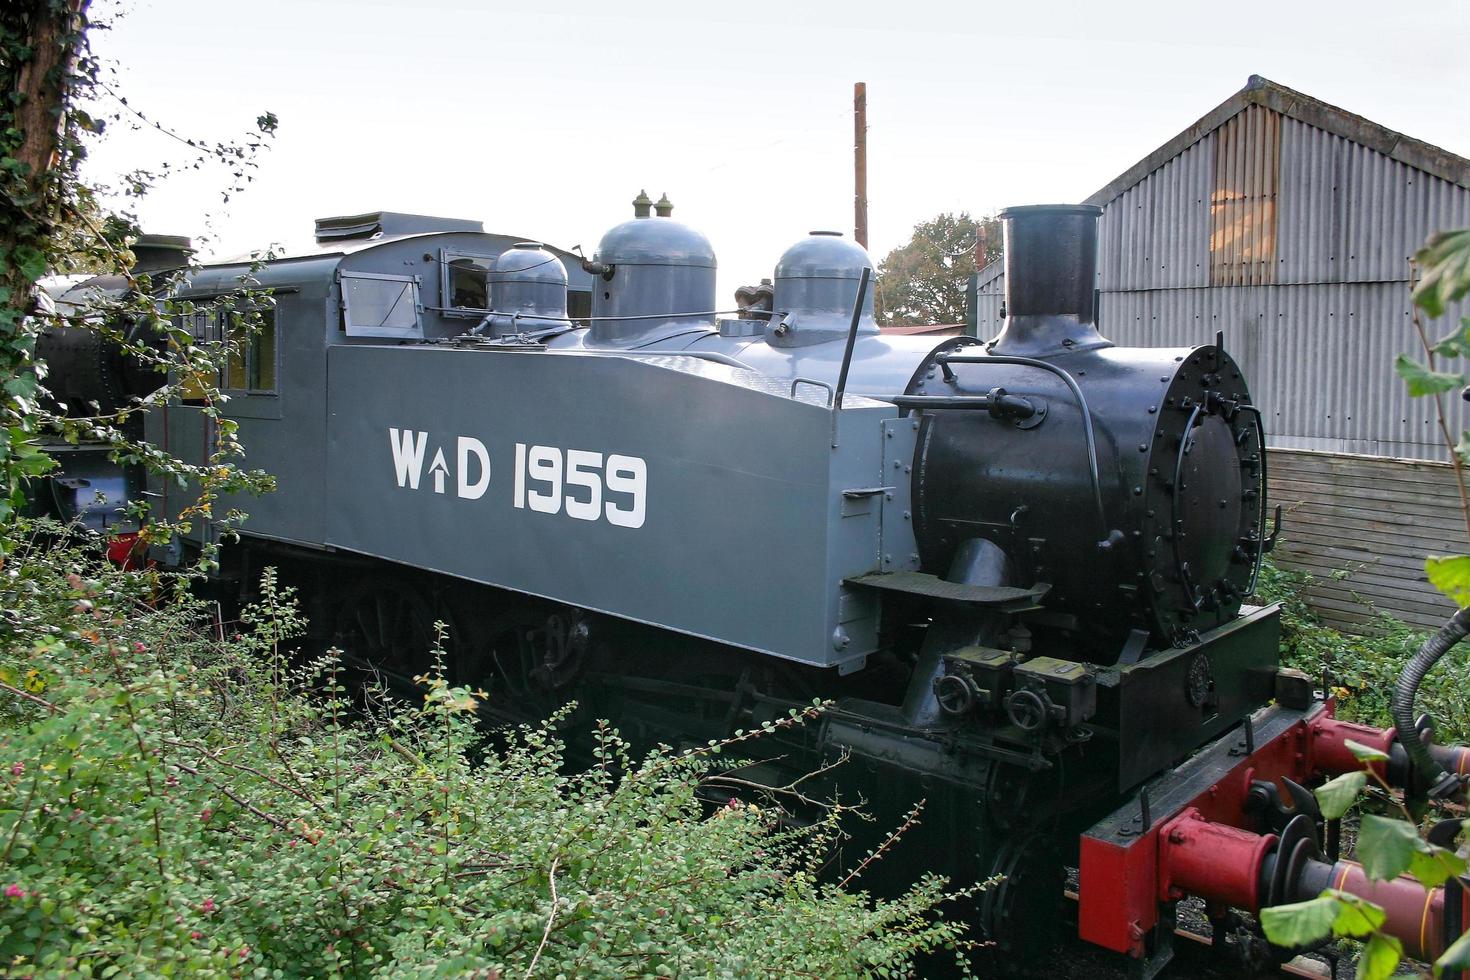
(1362, 526)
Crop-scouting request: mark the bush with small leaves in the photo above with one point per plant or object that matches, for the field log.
(178, 803)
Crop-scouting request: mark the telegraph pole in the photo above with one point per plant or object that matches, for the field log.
(860, 163)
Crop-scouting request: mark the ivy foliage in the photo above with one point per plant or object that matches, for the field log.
(57, 101)
(177, 803)
(1445, 259)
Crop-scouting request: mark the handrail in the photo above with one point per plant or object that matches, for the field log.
(1177, 493)
(1263, 544)
(1110, 536)
(852, 332)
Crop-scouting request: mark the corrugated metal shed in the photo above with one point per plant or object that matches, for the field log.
(1288, 224)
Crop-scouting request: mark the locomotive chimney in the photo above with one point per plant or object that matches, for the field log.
(156, 252)
(1051, 273)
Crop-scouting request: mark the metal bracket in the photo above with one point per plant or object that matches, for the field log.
(1133, 648)
(831, 392)
(898, 551)
(857, 492)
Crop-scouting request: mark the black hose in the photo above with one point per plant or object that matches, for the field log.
(1441, 783)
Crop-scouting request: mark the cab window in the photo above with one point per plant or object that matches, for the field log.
(249, 362)
(375, 305)
(464, 283)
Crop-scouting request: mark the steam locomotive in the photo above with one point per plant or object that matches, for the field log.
(1018, 568)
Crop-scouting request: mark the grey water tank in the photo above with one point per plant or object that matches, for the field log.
(816, 286)
(656, 269)
(528, 290)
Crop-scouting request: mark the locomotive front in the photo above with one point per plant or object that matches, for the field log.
(1132, 480)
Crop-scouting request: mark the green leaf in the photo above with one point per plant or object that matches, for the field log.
(1386, 847)
(1450, 574)
(1445, 261)
(1422, 381)
(1462, 448)
(22, 386)
(1365, 753)
(30, 261)
(1356, 917)
(1455, 344)
(1434, 866)
(1300, 923)
(1337, 797)
(1457, 957)
(1380, 957)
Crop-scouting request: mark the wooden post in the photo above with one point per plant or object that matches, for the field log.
(860, 163)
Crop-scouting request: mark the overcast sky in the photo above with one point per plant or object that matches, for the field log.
(544, 120)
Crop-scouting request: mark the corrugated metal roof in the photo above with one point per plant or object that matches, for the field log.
(1337, 205)
(1303, 108)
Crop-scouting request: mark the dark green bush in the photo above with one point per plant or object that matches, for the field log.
(1366, 666)
(176, 802)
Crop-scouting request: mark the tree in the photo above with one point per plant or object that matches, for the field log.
(40, 41)
(927, 280)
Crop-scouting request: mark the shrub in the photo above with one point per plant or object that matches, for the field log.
(1366, 666)
(184, 802)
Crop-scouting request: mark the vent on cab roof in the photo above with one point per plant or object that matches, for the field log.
(358, 226)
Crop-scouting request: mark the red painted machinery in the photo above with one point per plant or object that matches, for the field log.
(1236, 827)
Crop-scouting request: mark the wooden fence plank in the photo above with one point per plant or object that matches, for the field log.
(1374, 518)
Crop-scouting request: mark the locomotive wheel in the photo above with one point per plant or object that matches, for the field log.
(1022, 911)
(387, 626)
(520, 656)
(509, 653)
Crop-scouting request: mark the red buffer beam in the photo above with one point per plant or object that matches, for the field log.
(1202, 834)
